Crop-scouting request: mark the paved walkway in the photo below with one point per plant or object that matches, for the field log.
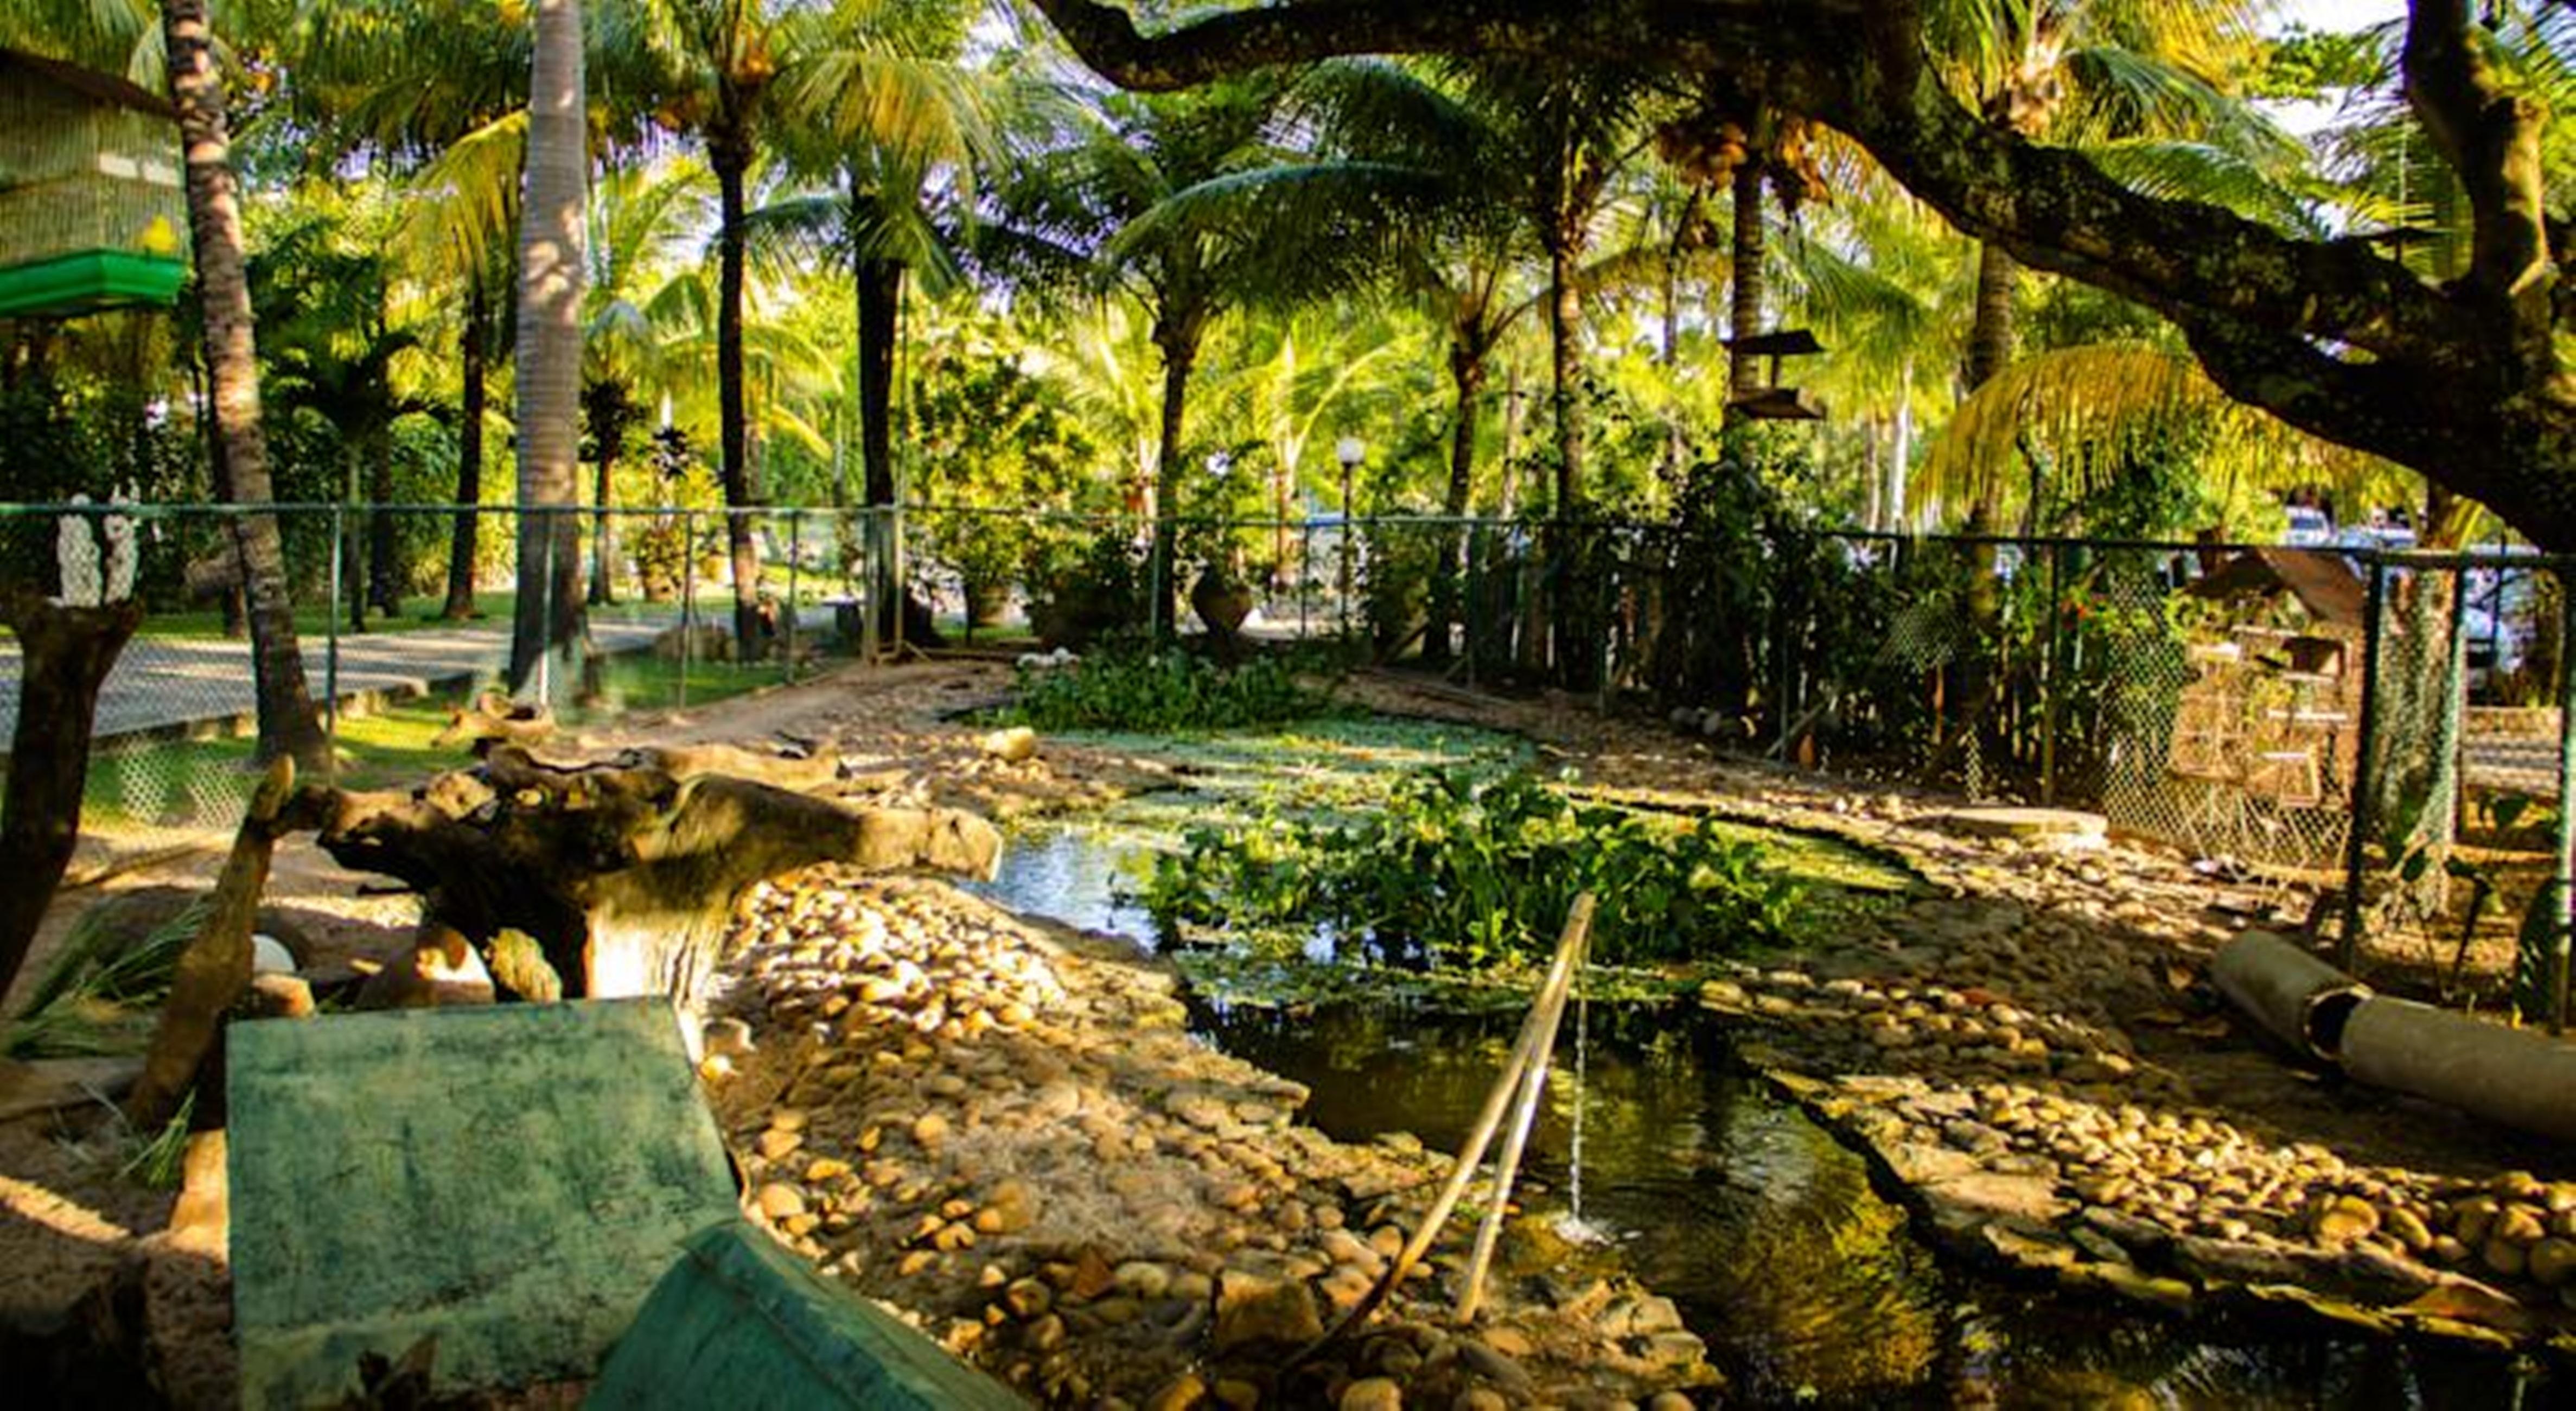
(163, 683)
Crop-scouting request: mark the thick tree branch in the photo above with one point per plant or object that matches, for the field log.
(2491, 139)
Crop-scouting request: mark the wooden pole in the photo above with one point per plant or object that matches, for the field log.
(1560, 975)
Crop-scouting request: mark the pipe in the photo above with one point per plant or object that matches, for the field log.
(2520, 1077)
(2300, 999)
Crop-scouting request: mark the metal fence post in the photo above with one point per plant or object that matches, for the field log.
(2357, 845)
(795, 561)
(894, 573)
(2565, 840)
(331, 643)
(2048, 703)
(688, 600)
(1305, 578)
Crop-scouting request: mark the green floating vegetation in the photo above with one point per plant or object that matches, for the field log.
(1459, 869)
(1126, 689)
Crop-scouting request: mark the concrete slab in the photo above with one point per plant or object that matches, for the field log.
(510, 1179)
(740, 1323)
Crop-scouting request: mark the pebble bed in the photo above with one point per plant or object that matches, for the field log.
(1007, 1136)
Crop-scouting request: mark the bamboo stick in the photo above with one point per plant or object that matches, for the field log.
(1560, 974)
(1507, 1166)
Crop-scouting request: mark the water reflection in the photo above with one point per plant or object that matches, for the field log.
(1807, 1286)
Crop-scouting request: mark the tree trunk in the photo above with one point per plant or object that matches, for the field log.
(384, 573)
(461, 546)
(1178, 339)
(215, 967)
(880, 289)
(1564, 327)
(603, 534)
(1467, 374)
(548, 610)
(729, 151)
(286, 718)
(1990, 338)
(1744, 292)
(66, 654)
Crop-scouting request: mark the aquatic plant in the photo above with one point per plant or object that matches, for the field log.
(1459, 868)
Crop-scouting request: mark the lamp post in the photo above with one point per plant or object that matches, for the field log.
(1350, 450)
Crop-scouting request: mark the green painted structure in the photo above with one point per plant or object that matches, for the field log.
(740, 1324)
(510, 1178)
(93, 210)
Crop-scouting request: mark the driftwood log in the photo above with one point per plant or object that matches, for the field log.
(626, 871)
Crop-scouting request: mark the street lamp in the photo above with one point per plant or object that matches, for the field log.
(1350, 450)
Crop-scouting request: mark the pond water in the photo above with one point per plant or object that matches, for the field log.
(1808, 1288)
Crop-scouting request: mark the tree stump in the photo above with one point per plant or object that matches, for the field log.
(65, 654)
(625, 872)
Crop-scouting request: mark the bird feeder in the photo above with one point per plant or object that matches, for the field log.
(92, 207)
(1775, 402)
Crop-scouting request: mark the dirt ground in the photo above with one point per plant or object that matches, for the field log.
(2132, 927)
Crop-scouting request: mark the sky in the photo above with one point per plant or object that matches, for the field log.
(2341, 15)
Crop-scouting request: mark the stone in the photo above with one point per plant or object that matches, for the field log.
(726, 1038)
(1371, 1394)
(777, 1143)
(2553, 1261)
(780, 1201)
(1182, 1393)
(1256, 1311)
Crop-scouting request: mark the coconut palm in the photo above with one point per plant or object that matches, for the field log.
(551, 243)
(286, 718)
(1094, 208)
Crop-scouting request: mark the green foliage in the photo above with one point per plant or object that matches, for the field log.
(98, 983)
(1080, 590)
(1460, 869)
(990, 436)
(1125, 688)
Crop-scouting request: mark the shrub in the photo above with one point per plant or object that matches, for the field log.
(1128, 688)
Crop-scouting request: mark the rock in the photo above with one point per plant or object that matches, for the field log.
(2553, 1261)
(1140, 1278)
(1014, 745)
(726, 1038)
(2344, 1219)
(440, 969)
(1182, 1393)
(775, 1144)
(1371, 1394)
(1027, 1298)
(930, 1129)
(276, 996)
(780, 1201)
(1253, 1310)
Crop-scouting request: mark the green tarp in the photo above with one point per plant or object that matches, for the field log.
(743, 1325)
(513, 1179)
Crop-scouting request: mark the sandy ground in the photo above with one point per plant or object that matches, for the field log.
(2103, 957)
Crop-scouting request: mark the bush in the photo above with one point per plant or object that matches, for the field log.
(1457, 870)
(1133, 689)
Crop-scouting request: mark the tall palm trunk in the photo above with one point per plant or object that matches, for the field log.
(1178, 339)
(1564, 329)
(610, 439)
(1744, 289)
(729, 150)
(286, 719)
(384, 573)
(461, 545)
(1467, 375)
(551, 263)
(880, 288)
(1990, 338)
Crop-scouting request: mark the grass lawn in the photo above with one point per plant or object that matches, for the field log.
(491, 609)
(207, 782)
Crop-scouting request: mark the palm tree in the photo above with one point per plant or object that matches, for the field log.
(1110, 206)
(551, 240)
(286, 719)
(435, 89)
(636, 306)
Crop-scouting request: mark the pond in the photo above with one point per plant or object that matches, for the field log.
(1808, 1287)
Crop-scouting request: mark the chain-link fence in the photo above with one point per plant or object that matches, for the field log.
(2388, 729)
(402, 613)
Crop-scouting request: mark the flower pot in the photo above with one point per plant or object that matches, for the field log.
(1221, 601)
